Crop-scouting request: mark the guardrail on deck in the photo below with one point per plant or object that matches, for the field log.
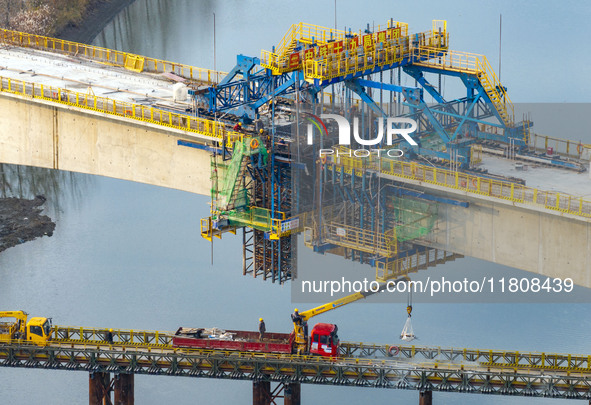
(127, 60)
(119, 108)
(472, 184)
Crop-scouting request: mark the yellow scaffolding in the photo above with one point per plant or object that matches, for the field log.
(338, 54)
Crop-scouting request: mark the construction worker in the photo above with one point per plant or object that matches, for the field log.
(282, 145)
(262, 329)
(238, 127)
(296, 317)
(298, 320)
(110, 336)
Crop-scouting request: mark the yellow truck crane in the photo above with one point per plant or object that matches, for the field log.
(323, 340)
(37, 330)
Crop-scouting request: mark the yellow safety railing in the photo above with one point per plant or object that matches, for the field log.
(133, 62)
(451, 60)
(279, 61)
(362, 59)
(346, 63)
(399, 267)
(119, 108)
(365, 240)
(496, 91)
(257, 218)
(473, 64)
(469, 183)
(333, 229)
(574, 149)
(475, 154)
(306, 34)
(78, 334)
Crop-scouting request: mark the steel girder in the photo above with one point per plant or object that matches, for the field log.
(370, 373)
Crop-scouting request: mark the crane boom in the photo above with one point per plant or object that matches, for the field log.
(336, 304)
(20, 315)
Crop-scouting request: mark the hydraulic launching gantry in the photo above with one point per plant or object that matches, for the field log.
(270, 182)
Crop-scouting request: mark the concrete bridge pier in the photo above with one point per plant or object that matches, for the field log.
(292, 394)
(263, 395)
(426, 398)
(100, 386)
(124, 389)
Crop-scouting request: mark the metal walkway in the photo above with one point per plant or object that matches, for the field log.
(122, 63)
(471, 64)
(361, 365)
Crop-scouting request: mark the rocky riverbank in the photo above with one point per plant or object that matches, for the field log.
(21, 221)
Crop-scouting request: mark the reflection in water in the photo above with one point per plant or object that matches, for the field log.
(56, 186)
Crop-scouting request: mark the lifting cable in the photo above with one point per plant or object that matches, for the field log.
(407, 333)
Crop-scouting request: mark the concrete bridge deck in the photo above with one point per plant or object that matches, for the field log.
(86, 76)
(73, 110)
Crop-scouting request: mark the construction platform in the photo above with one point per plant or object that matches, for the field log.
(424, 369)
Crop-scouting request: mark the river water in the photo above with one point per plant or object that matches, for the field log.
(128, 255)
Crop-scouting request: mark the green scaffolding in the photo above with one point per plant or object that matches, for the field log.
(414, 218)
(228, 178)
(226, 191)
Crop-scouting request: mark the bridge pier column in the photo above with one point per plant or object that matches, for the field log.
(124, 389)
(426, 398)
(99, 389)
(261, 393)
(292, 394)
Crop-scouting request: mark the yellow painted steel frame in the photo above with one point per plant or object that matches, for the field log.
(9, 329)
(94, 338)
(575, 149)
(278, 61)
(119, 108)
(365, 240)
(306, 33)
(362, 59)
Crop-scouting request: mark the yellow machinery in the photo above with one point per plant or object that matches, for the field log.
(300, 320)
(37, 330)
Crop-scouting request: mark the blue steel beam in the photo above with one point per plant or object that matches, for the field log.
(355, 86)
(420, 78)
(470, 81)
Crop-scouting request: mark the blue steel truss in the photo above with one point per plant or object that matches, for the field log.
(249, 86)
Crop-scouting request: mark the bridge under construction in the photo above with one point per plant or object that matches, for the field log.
(263, 143)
